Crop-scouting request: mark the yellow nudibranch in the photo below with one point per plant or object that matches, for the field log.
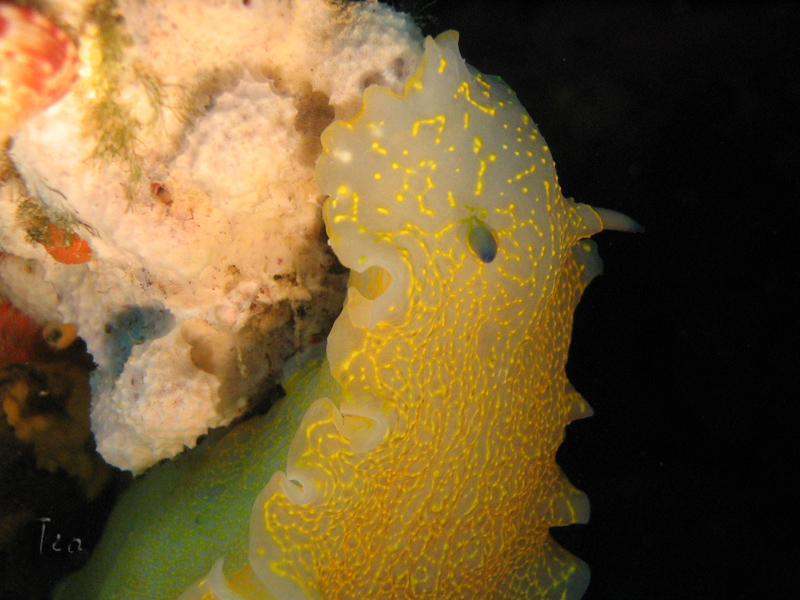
(420, 455)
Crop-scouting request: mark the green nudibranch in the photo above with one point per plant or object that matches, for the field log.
(420, 454)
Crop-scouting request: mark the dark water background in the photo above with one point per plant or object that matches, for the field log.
(685, 117)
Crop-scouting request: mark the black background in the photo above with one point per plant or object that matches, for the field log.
(685, 117)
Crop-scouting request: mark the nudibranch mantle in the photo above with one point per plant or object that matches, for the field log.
(435, 476)
(421, 458)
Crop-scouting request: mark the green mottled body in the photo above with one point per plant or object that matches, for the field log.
(174, 522)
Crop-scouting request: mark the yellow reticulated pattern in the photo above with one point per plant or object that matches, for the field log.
(433, 475)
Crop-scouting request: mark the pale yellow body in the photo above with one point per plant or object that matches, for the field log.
(417, 461)
(433, 475)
